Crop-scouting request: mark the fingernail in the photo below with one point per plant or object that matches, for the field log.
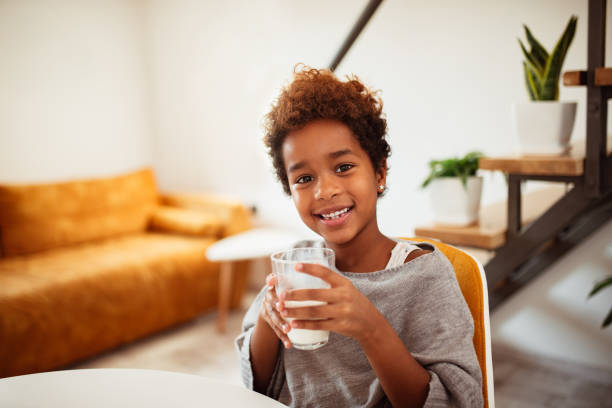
(286, 343)
(299, 267)
(277, 305)
(285, 328)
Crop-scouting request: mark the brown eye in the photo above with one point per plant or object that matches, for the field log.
(303, 179)
(344, 167)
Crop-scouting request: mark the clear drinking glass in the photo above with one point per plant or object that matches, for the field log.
(283, 266)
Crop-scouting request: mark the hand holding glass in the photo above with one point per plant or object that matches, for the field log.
(283, 266)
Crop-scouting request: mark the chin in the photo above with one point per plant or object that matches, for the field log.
(336, 237)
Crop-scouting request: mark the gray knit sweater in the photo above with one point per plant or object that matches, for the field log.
(423, 303)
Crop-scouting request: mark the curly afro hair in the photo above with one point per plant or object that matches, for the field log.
(318, 94)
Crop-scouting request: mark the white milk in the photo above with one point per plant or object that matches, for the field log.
(304, 339)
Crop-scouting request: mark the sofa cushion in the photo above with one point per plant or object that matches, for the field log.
(45, 216)
(234, 216)
(184, 221)
(68, 303)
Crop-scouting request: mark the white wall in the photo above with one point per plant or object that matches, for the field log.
(216, 67)
(73, 90)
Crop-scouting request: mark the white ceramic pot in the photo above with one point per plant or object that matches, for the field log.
(544, 127)
(452, 203)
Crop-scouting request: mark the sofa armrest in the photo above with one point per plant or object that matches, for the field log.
(184, 221)
(234, 215)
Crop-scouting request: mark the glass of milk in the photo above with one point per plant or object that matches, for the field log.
(283, 266)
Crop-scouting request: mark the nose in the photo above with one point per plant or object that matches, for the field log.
(327, 187)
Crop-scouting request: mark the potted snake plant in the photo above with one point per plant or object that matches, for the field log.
(544, 125)
(455, 189)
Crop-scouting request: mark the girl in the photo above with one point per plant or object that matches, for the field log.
(401, 333)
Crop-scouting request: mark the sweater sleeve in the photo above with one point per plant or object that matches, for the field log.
(442, 340)
(243, 347)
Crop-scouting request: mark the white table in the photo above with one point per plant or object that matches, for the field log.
(108, 388)
(251, 244)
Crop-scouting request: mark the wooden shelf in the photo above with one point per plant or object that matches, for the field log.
(490, 232)
(537, 165)
(603, 77)
(473, 236)
(570, 164)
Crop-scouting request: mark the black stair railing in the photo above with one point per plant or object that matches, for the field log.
(597, 106)
(358, 27)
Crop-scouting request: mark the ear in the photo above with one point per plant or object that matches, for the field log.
(381, 175)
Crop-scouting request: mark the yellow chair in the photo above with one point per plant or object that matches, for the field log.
(473, 283)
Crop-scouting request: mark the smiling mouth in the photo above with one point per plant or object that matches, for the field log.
(335, 217)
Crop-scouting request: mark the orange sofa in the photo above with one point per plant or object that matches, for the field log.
(89, 265)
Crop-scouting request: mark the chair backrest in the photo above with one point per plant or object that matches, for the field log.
(473, 283)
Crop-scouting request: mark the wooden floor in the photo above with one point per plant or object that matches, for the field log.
(520, 380)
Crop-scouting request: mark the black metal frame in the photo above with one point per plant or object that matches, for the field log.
(567, 239)
(530, 250)
(365, 16)
(597, 107)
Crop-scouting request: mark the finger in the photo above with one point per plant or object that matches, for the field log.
(271, 292)
(323, 295)
(275, 306)
(321, 272)
(279, 326)
(271, 280)
(311, 312)
(328, 324)
(282, 337)
(272, 308)
(276, 321)
(277, 303)
(271, 298)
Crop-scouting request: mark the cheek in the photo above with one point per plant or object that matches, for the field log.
(366, 188)
(295, 198)
(300, 201)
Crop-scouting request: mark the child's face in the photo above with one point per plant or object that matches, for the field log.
(333, 183)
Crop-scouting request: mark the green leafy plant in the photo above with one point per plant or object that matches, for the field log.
(542, 70)
(454, 167)
(599, 286)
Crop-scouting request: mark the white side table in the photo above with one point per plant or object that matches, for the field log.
(251, 244)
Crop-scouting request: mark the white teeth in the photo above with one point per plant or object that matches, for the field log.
(334, 215)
